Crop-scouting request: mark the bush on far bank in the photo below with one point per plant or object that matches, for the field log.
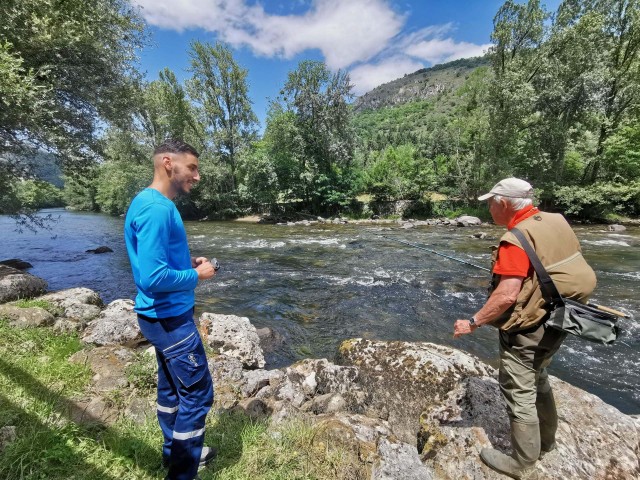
(598, 201)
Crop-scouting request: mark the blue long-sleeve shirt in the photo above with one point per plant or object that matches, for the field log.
(159, 254)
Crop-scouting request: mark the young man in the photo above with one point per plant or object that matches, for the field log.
(516, 306)
(166, 276)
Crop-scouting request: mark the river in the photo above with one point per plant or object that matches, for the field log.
(318, 285)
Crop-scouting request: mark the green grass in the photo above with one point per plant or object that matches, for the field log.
(48, 306)
(37, 388)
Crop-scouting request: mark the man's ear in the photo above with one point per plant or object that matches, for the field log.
(167, 163)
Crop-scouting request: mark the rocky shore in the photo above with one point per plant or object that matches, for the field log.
(401, 410)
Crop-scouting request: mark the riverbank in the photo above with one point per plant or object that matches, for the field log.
(380, 409)
(316, 285)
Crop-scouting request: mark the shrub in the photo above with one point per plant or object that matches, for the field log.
(595, 202)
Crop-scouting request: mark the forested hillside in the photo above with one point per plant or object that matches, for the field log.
(425, 84)
(556, 101)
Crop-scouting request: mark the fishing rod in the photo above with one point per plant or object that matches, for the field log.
(434, 252)
(599, 307)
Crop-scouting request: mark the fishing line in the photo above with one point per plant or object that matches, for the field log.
(434, 252)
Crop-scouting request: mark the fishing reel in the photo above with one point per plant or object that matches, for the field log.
(216, 265)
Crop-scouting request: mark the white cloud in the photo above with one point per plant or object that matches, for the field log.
(344, 31)
(440, 50)
(364, 36)
(368, 76)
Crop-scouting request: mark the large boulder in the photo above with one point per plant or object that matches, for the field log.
(78, 306)
(595, 441)
(467, 221)
(233, 336)
(15, 284)
(77, 303)
(399, 461)
(401, 379)
(116, 325)
(16, 263)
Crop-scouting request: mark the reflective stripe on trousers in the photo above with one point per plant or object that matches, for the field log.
(185, 390)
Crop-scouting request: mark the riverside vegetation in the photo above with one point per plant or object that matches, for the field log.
(555, 100)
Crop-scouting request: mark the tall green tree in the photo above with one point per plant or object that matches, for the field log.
(168, 113)
(319, 103)
(621, 86)
(220, 89)
(66, 69)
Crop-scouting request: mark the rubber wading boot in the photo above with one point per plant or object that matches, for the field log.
(548, 417)
(525, 442)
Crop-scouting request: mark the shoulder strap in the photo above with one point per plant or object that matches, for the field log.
(549, 290)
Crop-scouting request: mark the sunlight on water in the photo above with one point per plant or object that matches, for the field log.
(320, 284)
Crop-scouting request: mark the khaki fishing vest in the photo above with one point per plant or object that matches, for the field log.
(559, 251)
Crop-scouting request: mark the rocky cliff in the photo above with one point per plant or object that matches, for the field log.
(423, 84)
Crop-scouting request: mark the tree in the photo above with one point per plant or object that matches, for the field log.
(66, 69)
(220, 89)
(621, 90)
(168, 113)
(318, 101)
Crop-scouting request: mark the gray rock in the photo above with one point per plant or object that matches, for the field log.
(15, 284)
(283, 411)
(270, 340)
(80, 305)
(405, 378)
(26, 317)
(594, 439)
(327, 403)
(233, 336)
(357, 434)
(399, 461)
(116, 325)
(480, 235)
(254, 408)
(227, 380)
(617, 228)
(16, 263)
(93, 410)
(255, 380)
(102, 249)
(140, 409)
(467, 220)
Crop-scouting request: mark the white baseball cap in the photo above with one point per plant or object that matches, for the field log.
(510, 187)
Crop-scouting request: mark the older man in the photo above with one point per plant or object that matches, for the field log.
(516, 306)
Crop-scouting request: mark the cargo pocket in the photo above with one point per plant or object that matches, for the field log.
(190, 365)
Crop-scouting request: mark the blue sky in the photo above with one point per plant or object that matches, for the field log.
(374, 40)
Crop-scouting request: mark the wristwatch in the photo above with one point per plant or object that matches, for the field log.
(473, 322)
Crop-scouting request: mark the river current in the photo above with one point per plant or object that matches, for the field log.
(318, 285)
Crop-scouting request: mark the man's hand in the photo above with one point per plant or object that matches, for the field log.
(195, 261)
(205, 269)
(463, 327)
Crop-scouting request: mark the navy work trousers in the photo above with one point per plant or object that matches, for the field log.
(185, 390)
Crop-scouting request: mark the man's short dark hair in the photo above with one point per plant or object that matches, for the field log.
(173, 145)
